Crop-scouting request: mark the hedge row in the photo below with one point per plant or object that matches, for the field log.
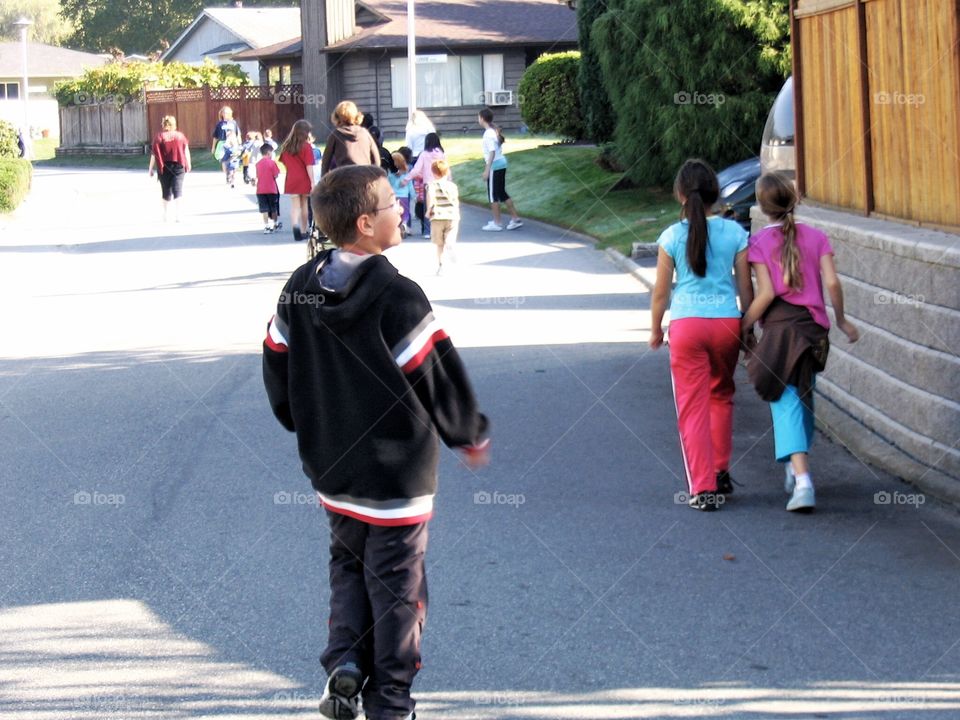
(15, 176)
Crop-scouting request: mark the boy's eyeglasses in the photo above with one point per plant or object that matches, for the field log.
(395, 204)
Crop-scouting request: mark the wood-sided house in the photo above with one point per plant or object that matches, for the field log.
(469, 55)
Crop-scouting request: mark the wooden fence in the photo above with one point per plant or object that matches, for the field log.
(256, 107)
(877, 86)
(103, 125)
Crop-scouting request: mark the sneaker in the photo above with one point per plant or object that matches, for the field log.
(426, 236)
(492, 227)
(514, 224)
(267, 230)
(789, 480)
(725, 483)
(340, 697)
(297, 235)
(706, 501)
(802, 500)
(278, 225)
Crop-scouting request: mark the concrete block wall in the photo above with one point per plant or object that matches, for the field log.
(894, 397)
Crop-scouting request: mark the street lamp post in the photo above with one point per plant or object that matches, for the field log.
(411, 60)
(24, 24)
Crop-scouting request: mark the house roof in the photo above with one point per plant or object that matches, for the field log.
(449, 23)
(286, 48)
(257, 27)
(45, 60)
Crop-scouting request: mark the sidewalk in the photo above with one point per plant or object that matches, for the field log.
(162, 556)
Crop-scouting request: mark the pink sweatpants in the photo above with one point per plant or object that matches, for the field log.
(703, 357)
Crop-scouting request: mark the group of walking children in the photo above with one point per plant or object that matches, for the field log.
(712, 258)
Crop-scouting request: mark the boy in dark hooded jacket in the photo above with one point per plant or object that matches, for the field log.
(357, 366)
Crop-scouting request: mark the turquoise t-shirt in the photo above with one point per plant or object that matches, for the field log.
(715, 294)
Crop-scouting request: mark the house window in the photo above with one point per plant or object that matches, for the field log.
(9, 91)
(286, 75)
(447, 80)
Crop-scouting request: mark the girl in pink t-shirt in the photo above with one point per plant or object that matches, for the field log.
(792, 263)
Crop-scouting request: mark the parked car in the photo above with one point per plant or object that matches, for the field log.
(737, 182)
(738, 190)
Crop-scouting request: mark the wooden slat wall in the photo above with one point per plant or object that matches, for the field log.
(912, 72)
(914, 85)
(833, 146)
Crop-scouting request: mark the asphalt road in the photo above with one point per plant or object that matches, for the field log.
(162, 556)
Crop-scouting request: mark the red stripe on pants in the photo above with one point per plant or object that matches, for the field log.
(703, 357)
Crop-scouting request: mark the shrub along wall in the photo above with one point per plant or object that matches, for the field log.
(15, 176)
(550, 95)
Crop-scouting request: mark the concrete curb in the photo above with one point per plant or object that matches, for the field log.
(646, 276)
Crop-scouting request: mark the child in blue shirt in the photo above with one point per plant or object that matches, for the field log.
(705, 251)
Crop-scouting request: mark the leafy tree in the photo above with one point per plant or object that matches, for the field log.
(135, 26)
(550, 97)
(8, 140)
(48, 26)
(598, 116)
(120, 82)
(690, 78)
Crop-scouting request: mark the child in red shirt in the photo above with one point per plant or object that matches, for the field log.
(268, 192)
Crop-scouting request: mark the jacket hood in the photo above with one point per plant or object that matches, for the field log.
(348, 133)
(344, 287)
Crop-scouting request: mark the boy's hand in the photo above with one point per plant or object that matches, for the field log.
(476, 456)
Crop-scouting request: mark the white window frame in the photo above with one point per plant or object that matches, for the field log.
(489, 63)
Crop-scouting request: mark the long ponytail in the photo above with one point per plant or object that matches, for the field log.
(487, 116)
(778, 199)
(697, 188)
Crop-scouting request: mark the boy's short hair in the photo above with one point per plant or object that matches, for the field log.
(343, 195)
(440, 167)
(266, 148)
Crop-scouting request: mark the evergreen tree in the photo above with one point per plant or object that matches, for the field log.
(690, 78)
(598, 114)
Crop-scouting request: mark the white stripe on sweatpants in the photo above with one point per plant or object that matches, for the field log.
(683, 452)
(490, 185)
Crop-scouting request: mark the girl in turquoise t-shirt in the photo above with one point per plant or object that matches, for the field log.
(705, 252)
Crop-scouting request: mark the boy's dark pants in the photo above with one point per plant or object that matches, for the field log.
(378, 606)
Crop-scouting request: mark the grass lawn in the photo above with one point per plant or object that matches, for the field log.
(562, 185)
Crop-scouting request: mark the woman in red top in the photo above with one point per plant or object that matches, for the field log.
(296, 155)
(171, 159)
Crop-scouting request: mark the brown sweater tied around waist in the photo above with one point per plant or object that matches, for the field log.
(791, 351)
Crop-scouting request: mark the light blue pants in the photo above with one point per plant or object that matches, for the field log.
(792, 424)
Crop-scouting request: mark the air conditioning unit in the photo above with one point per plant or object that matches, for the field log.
(498, 97)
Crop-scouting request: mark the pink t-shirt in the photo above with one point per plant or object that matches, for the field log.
(424, 167)
(267, 173)
(765, 248)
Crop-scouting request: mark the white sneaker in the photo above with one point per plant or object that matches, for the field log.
(514, 224)
(492, 227)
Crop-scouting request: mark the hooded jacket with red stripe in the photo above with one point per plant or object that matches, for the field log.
(367, 379)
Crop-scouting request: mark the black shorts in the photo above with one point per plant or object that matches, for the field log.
(171, 181)
(269, 203)
(497, 186)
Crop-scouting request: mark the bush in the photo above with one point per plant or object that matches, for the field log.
(693, 78)
(8, 141)
(550, 97)
(120, 82)
(15, 175)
